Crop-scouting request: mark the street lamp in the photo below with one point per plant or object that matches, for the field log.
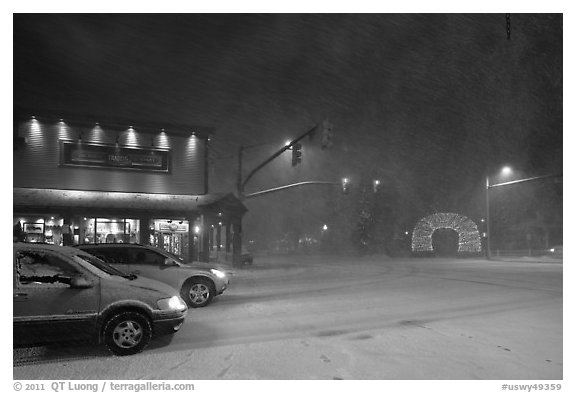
(505, 171)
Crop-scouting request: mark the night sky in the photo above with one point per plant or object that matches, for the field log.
(429, 103)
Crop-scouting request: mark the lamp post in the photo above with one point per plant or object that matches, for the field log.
(505, 171)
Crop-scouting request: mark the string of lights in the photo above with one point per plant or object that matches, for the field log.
(468, 234)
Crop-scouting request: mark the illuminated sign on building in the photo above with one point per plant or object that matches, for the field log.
(83, 154)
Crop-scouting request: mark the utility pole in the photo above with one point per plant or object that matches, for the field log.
(239, 186)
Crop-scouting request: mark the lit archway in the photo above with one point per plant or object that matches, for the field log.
(468, 234)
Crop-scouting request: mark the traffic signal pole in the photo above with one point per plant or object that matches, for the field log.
(241, 184)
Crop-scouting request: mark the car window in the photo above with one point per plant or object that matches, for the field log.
(176, 258)
(142, 256)
(114, 255)
(40, 268)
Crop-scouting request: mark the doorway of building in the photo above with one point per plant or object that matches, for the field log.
(171, 236)
(172, 242)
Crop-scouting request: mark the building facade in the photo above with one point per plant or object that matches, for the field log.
(86, 180)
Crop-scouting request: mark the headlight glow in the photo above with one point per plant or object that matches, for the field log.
(173, 303)
(218, 273)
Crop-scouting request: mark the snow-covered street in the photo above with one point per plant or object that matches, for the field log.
(350, 318)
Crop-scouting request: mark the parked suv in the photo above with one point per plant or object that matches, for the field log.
(198, 285)
(66, 294)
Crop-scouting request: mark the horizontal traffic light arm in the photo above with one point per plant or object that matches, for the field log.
(304, 183)
(273, 156)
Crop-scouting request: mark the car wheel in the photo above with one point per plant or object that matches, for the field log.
(127, 333)
(198, 292)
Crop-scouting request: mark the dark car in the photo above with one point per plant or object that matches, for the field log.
(198, 285)
(66, 294)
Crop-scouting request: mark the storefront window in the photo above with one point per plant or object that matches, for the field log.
(109, 230)
(43, 229)
(53, 231)
(87, 230)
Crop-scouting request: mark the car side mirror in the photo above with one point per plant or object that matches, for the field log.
(80, 282)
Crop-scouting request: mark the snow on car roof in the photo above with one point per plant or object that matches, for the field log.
(70, 251)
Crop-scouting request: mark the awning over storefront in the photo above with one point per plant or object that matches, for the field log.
(39, 199)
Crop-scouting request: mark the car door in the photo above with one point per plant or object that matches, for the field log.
(151, 264)
(46, 308)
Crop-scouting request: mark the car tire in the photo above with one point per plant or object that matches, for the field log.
(198, 292)
(127, 333)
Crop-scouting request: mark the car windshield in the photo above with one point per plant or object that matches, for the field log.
(94, 262)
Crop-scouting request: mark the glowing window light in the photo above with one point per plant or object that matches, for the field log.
(468, 234)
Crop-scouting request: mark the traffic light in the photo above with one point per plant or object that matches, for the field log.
(376, 185)
(345, 186)
(327, 134)
(296, 154)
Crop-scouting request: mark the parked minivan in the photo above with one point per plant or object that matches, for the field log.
(66, 294)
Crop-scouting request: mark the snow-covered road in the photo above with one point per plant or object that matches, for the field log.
(350, 318)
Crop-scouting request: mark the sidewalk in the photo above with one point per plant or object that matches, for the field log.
(543, 259)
